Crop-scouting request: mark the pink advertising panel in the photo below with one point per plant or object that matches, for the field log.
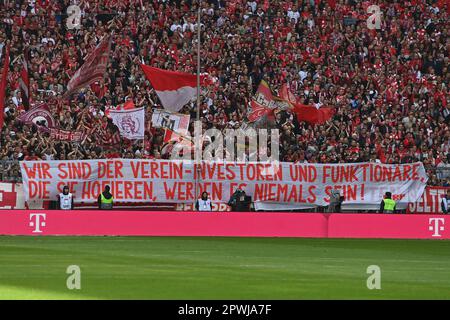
(144, 223)
(404, 226)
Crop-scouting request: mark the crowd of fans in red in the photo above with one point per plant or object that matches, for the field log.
(388, 86)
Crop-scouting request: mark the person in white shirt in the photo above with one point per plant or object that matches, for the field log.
(48, 38)
(65, 199)
(252, 5)
(302, 74)
(188, 26)
(176, 26)
(293, 14)
(203, 204)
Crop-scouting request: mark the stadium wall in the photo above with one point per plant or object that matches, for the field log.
(233, 224)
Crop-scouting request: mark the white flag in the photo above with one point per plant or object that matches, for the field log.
(130, 122)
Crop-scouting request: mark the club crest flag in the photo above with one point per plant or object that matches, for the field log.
(37, 115)
(131, 123)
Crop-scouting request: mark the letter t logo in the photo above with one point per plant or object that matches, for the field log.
(435, 225)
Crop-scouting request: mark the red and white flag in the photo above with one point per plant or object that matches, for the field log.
(38, 114)
(174, 89)
(262, 103)
(93, 68)
(176, 122)
(176, 125)
(131, 123)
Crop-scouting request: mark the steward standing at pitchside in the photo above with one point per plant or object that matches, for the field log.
(105, 199)
(65, 199)
(387, 204)
(203, 204)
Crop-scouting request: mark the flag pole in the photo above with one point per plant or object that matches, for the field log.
(197, 143)
(198, 59)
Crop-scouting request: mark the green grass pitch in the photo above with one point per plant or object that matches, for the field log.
(222, 268)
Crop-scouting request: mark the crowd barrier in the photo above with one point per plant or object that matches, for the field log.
(231, 224)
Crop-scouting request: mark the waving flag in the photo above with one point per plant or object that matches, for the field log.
(174, 89)
(176, 122)
(40, 113)
(304, 112)
(287, 95)
(93, 68)
(263, 106)
(24, 80)
(3, 86)
(130, 122)
(311, 114)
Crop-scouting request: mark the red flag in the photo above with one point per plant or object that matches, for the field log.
(93, 68)
(264, 104)
(311, 114)
(3, 86)
(303, 112)
(287, 95)
(24, 80)
(128, 105)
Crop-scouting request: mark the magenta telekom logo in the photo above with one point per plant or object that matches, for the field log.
(436, 225)
(37, 220)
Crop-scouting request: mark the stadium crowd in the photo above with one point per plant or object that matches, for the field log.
(388, 86)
